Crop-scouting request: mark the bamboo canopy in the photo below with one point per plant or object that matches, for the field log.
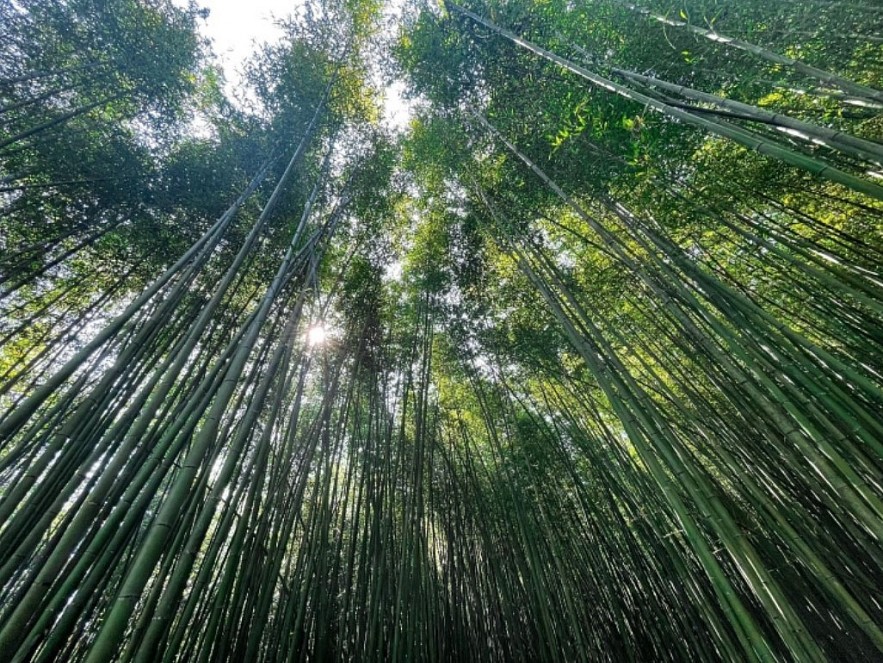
(584, 363)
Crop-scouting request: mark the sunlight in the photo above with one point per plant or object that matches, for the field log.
(316, 335)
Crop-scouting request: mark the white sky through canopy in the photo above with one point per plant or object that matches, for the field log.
(236, 27)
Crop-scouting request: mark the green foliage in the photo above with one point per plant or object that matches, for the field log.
(582, 365)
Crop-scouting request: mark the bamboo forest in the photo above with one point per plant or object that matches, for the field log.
(580, 361)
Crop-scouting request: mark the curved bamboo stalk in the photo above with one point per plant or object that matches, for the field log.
(726, 130)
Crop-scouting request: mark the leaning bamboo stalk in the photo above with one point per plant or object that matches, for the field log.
(154, 632)
(724, 129)
(209, 239)
(856, 503)
(753, 641)
(860, 496)
(788, 624)
(838, 140)
(134, 498)
(176, 361)
(61, 119)
(826, 77)
(826, 578)
(115, 622)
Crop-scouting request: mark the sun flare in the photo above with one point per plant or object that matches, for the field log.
(316, 335)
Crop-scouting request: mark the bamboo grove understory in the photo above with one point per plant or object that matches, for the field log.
(585, 363)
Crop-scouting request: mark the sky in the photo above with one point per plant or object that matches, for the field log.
(235, 26)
